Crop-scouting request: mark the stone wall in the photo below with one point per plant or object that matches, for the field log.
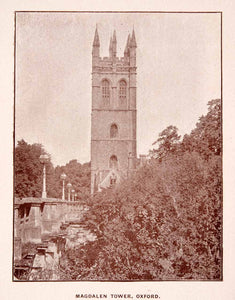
(35, 217)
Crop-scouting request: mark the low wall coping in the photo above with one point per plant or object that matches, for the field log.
(32, 200)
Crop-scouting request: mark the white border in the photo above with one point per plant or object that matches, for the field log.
(166, 290)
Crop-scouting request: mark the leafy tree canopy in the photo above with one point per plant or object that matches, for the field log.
(168, 142)
(165, 222)
(28, 174)
(28, 169)
(206, 137)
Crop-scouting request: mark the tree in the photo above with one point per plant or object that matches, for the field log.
(28, 169)
(164, 223)
(168, 142)
(206, 138)
(28, 174)
(78, 175)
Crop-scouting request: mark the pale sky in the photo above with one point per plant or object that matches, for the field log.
(178, 72)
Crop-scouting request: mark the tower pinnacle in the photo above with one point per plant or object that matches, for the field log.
(133, 40)
(111, 47)
(114, 44)
(96, 42)
(127, 45)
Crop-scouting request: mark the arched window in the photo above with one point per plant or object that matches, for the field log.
(113, 162)
(113, 131)
(105, 92)
(122, 91)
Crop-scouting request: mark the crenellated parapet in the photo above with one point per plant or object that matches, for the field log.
(119, 64)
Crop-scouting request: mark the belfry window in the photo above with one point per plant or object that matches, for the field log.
(113, 131)
(113, 162)
(105, 92)
(122, 90)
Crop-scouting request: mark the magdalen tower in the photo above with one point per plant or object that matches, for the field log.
(113, 118)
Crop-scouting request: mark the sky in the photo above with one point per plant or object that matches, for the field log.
(178, 72)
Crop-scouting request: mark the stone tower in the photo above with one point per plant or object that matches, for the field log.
(113, 118)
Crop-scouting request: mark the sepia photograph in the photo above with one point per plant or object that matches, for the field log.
(117, 146)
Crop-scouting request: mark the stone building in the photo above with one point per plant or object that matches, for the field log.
(113, 118)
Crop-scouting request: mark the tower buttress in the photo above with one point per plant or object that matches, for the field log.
(132, 91)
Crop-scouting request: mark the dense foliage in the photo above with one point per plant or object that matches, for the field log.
(28, 169)
(168, 142)
(206, 137)
(28, 174)
(164, 223)
(79, 175)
